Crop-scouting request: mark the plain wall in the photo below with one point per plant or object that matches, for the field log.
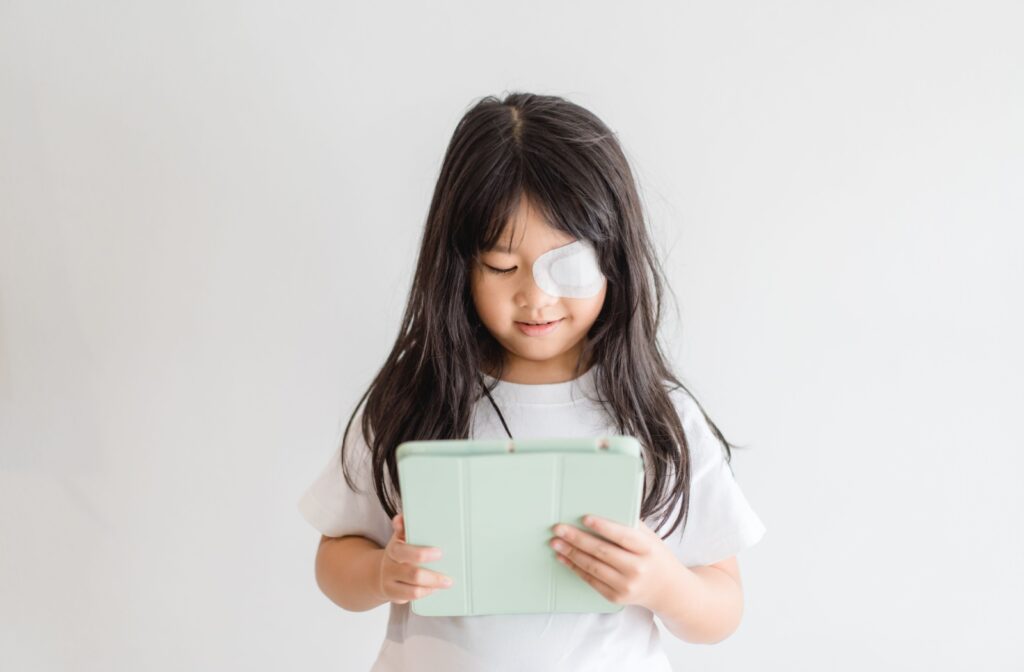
(209, 215)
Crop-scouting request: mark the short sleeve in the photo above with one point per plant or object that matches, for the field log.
(720, 522)
(333, 508)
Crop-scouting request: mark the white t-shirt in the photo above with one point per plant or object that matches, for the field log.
(720, 524)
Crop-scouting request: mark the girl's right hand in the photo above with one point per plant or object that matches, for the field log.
(401, 579)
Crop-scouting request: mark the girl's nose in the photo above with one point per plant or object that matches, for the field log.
(531, 296)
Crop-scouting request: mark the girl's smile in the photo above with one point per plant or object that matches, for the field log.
(538, 329)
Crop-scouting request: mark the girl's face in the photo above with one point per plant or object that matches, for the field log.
(504, 301)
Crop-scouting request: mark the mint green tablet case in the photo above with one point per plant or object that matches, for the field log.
(490, 505)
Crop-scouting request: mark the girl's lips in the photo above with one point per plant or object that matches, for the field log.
(538, 329)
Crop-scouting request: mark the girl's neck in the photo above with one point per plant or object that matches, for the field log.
(528, 372)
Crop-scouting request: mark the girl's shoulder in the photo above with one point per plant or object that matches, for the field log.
(356, 448)
(683, 401)
(699, 435)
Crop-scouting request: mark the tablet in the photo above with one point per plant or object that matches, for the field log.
(490, 505)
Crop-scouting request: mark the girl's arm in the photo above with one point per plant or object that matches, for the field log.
(358, 575)
(633, 565)
(703, 605)
(348, 572)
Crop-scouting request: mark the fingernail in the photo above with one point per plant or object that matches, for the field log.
(446, 581)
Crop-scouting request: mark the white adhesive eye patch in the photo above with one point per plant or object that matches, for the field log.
(570, 270)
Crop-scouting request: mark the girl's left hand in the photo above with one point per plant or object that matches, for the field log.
(631, 570)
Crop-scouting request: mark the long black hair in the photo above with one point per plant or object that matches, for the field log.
(567, 163)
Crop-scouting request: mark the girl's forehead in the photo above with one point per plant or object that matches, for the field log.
(533, 233)
(528, 224)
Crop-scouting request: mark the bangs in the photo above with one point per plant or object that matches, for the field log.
(547, 193)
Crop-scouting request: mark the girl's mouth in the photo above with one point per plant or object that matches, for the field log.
(538, 329)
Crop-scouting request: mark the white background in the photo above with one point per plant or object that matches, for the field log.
(209, 214)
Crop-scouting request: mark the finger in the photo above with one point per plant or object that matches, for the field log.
(398, 524)
(399, 551)
(420, 576)
(607, 552)
(403, 592)
(597, 584)
(594, 567)
(631, 539)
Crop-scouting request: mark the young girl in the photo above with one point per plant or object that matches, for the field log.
(534, 312)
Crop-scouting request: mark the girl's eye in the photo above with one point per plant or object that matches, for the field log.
(500, 271)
